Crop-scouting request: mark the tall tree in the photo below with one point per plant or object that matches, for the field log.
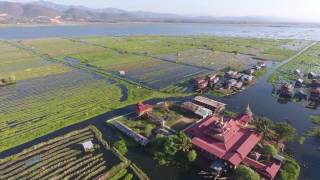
(285, 132)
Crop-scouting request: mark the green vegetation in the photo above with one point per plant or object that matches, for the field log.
(64, 158)
(245, 173)
(121, 146)
(59, 158)
(315, 119)
(281, 131)
(290, 170)
(306, 62)
(54, 95)
(175, 149)
(192, 155)
(139, 126)
(269, 151)
(24, 65)
(285, 132)
(119, 175)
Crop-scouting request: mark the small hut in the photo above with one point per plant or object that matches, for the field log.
(87, 146)
(287, 90)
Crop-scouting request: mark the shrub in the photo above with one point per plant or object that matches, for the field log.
(290, 170)
(128, 177)
(192, 155)
(119, 175)
(121, 146)
(245, 173)
(269, 150)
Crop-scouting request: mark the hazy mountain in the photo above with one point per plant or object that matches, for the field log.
(18, 10)
(48, 12)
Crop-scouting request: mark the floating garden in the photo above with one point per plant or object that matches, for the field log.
(67, 157)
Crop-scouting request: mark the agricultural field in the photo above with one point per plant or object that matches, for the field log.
(161, 61)
(23, 65)
(50, 95)
(276, 50)
(215, 60)
(58, 47)
(64, 157)
(307, 62)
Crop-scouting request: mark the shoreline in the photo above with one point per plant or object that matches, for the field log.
(257, 24)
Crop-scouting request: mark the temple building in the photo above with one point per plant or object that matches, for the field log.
(142, 109)
(229, 139)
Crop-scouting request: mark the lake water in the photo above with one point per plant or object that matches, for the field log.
(118, 29)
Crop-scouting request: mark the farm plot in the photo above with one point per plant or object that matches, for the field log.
(260, 48)
(151, 72)
(57, 47)
(146, 45)
(276, 50)
(23, 65)
(35, 107)
(215, 60)
(65, 158)
(307, 62)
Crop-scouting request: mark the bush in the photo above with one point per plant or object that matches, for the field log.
(128, 177)
(119, 175)
(121, 146)
(269, 150)
(290, 170)
(245, 173)
(192, 155)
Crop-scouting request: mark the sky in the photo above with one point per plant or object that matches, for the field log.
(299, 10)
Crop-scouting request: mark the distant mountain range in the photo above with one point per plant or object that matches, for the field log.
(48, 12)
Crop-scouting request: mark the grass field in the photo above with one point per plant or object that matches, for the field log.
(64, 158)
(44, 101)
(307, 62)
(51, 95)
(24, 65)
(145, 58)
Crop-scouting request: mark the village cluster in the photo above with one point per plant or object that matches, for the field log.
(225, 142)
(301, 89)
(231, 81)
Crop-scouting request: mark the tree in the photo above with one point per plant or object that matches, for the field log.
(172, 149)
(183, 142)
(269, 151)
(285, 132)
(264, 126)
(290, 170)
(148, 130)
(121, 146)
(245, 173)
(192, 155)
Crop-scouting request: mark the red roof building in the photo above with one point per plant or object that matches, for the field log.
(229, 139)
(223, 138)
(143, 109)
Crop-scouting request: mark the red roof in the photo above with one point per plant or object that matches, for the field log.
(142, 108)
(268, 170)
(233, 143)
(245, 118)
